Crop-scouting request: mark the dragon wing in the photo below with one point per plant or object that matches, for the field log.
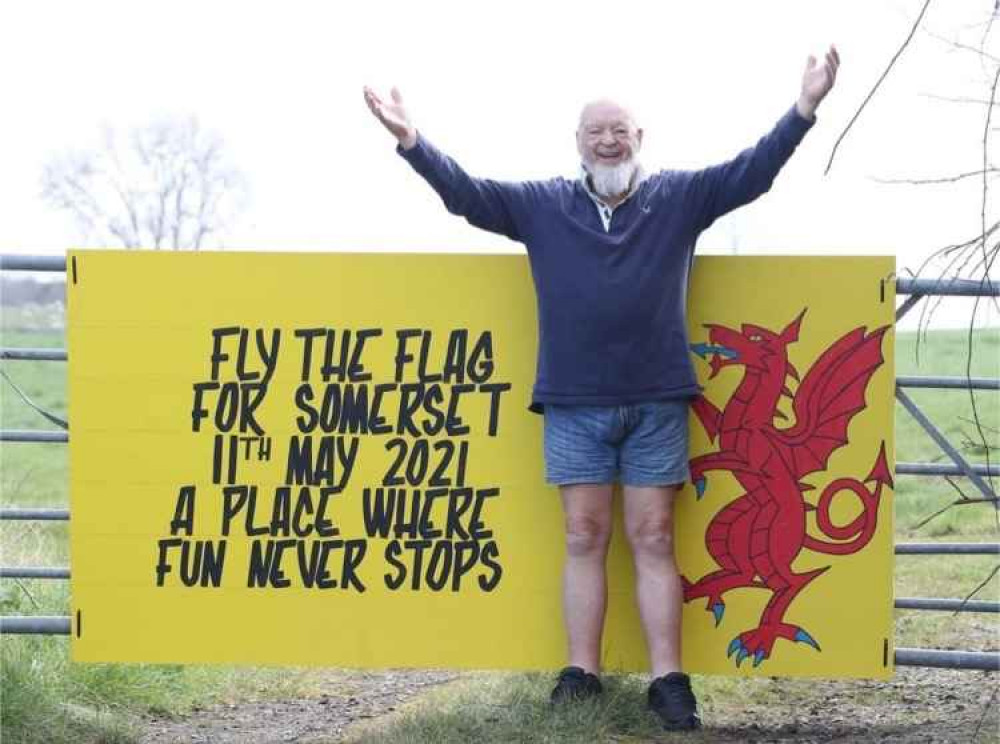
(830, 394)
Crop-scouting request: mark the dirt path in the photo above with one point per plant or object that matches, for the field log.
(920, 705)
(929, 706)
(359, 696)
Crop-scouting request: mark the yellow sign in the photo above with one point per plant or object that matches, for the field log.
(328, 459)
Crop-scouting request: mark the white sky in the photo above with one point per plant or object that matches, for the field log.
(498, 86)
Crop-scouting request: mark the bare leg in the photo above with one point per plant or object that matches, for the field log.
(587, 508)
(649, 525)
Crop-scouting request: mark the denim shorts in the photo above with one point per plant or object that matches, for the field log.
(644, 444)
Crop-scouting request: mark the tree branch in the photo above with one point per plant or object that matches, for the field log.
(871, 93)
(960, 99)
(964, 47)
(947, 179)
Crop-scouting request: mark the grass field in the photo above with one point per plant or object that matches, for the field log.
(47, 699)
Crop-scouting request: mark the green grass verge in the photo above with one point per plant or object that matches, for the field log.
(514, 707)
(48, 699)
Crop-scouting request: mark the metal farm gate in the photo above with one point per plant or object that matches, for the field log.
(980, 475)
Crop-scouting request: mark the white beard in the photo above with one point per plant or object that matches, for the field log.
(612, 180)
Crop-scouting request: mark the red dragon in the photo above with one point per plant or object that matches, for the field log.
(755, 538)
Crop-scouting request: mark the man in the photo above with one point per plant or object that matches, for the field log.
(610, 256)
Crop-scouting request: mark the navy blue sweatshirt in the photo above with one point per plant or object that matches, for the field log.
(611, 322)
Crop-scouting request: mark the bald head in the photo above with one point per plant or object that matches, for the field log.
(604, 108)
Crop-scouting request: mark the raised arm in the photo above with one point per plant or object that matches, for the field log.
(496, 206)
(722, 188)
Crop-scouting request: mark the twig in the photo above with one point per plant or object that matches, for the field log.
(963, 252)
(981, 262)
(24, 479)
(965, 47)
(984, 500)
(930, 307)
(969, 443)
(986, 159)
(962, 499)
(975, 591)
(985, 261)
(31, 404)
(959, 502)
(924, 181)
(989, 27)
(958, 99)
(24, 589)
(935, 515)
(864, 103)
(988, 260)
(954, 485)
(986, 710)
(985, 428)
(949, 249)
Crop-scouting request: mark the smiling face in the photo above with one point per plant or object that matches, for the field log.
(607, 135)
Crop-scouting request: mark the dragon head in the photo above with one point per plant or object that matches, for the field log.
(753, 346)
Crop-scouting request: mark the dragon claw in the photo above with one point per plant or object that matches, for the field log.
(743, 653)
(733, 646)
(718, 610)
(801, 636)
(756, 644)
(699, 487)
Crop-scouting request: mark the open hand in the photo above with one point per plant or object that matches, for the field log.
(393, 116)
(817, 80)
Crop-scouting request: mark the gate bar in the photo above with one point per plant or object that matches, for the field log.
(949, 383)
(34, 355)
(927, 468)
(947, 287)
(947, 548)
(987, 661)
(33, 572)
(949, 605)
(10, 262)
(37, 625)
(13, 435)
(27, 514)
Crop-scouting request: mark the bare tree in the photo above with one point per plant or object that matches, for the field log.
(165, 185)
(973, 256)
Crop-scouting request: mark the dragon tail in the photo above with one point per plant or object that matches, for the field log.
(858, 532)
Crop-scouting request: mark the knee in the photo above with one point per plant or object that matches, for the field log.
(652, 537)
(587, 536)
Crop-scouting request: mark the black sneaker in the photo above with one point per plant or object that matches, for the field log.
(671, 698)
(575, 684)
